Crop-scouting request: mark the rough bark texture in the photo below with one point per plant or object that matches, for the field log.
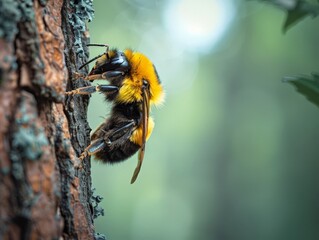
(43, 195)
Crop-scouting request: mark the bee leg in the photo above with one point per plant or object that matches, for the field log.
(94, 77)
(112, 74)
(95, 146)
(83, 90)
(109, 140)
(106, 75)
(77, 75)
(91, 89)
(122, 132)
(108, 89)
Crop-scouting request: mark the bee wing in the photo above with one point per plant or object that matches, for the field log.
(145, 116)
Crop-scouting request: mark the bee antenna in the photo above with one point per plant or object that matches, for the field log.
(96, 45)
(100, 45)
(90, 61)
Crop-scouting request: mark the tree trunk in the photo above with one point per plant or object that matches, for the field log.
(43, 194)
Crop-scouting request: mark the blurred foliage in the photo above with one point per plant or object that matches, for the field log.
(306, 85)
(297, 10)
(301, 10)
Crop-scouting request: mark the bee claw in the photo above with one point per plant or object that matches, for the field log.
(78, 164)
(77, 75)
(83, 155)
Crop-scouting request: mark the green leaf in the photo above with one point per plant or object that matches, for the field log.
(301, 10)
(307, 86)
(296, 10)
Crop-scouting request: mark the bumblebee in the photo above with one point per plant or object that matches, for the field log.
(134, 87)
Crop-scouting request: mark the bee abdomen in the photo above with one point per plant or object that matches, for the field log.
(117, 154)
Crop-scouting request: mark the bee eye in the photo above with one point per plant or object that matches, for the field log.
(145, 83)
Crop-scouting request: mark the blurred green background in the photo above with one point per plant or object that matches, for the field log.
(234, 154)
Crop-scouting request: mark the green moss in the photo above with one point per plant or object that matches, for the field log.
(29, 142)
(83, 12)
(9, 18)
(11, 13)
(43, 2)
(26, 9)
(28, 138)
(97, 211)
(5, 170)
(12, 61)
(95, 200)
(99, 236)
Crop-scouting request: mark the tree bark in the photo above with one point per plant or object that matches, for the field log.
(43, 194)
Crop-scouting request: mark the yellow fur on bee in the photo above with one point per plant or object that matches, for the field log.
(136, 136)
(100, 61)
(141, 69)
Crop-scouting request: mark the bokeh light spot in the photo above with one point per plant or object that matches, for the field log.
(198, 25)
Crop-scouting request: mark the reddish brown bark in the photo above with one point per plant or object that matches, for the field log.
(43, 196)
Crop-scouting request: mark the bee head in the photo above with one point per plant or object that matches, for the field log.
(141, 71)
(112, 60)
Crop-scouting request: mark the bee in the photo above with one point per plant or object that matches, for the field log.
(134, 87)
